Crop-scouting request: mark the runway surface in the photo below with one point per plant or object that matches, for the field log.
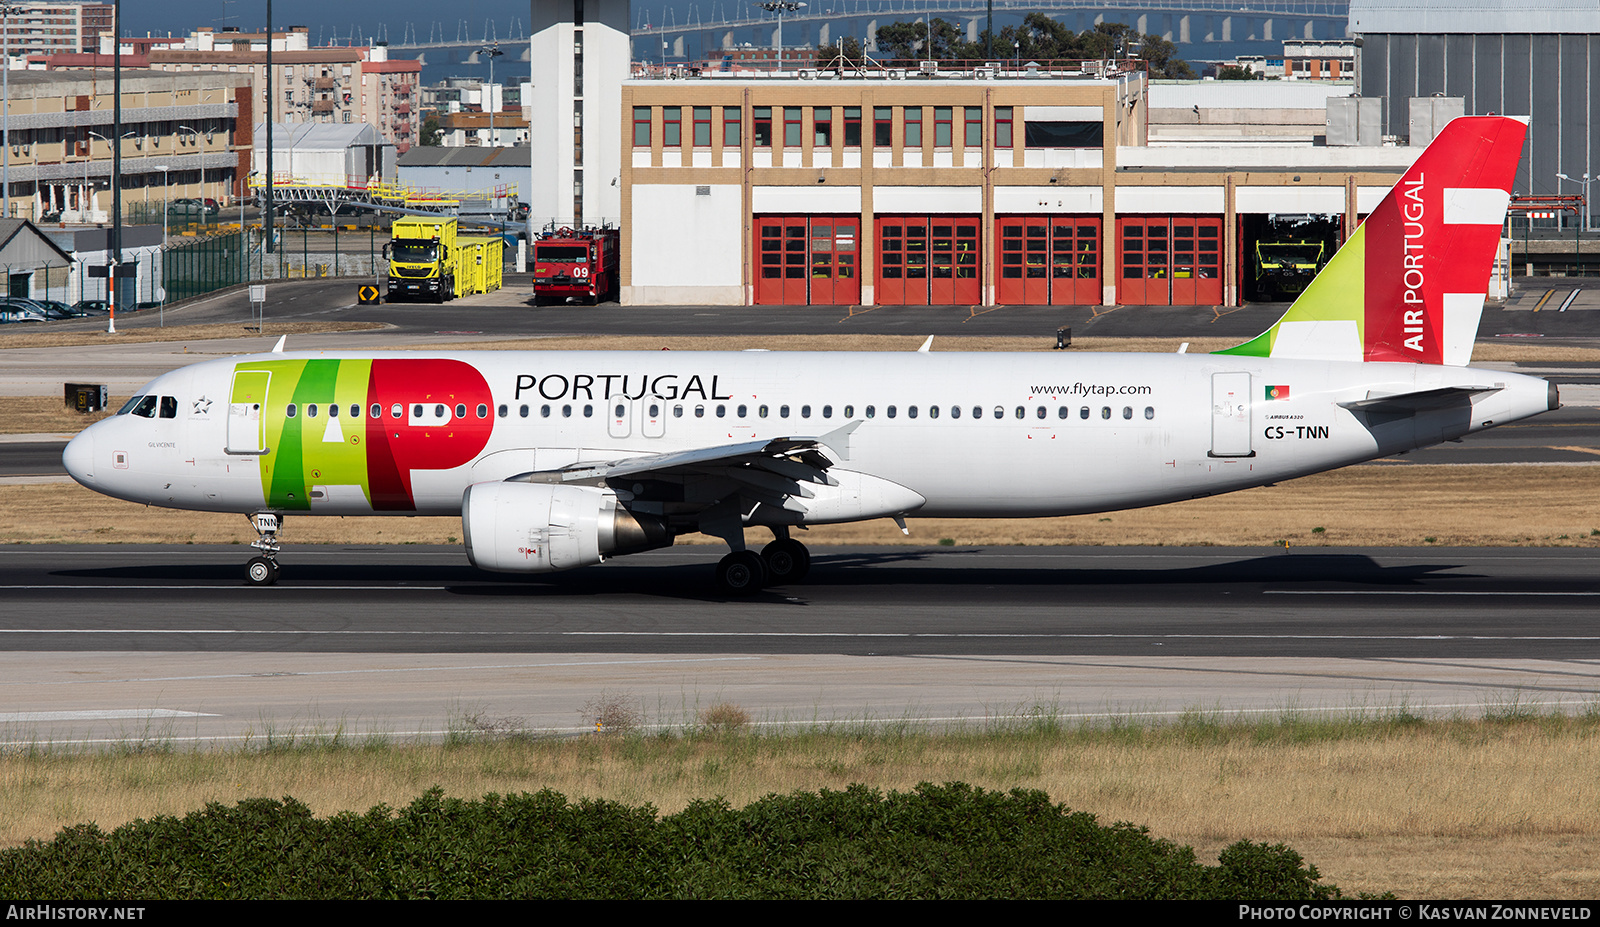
(112, 643)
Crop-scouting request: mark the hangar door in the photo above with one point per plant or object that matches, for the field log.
(1169, 261)
(1049, 260)
(807, 260)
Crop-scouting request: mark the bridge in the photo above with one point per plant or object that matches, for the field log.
(1202, 29)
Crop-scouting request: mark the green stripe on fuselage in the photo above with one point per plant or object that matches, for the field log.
(306, 452)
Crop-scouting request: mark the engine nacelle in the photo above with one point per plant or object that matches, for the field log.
(540, 527)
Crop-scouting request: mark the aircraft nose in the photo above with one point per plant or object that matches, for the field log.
(78, 458)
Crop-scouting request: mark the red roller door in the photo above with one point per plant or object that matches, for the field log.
(807, 260)
(928, 260)
(1049, 260)
(1169, 260)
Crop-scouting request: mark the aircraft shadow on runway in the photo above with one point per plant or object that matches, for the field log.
(857, 570)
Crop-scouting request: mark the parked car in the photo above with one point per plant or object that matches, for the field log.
(55, 309)
(15, 313)
(86, 307)
(190, 206)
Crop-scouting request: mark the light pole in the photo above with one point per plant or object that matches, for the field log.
(493, 51)
(7, 11)
(780, 7)
(166, 197)
(1584, 180)
(93, 134)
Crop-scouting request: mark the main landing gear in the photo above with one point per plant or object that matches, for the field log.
(744, 572)
(263, 570)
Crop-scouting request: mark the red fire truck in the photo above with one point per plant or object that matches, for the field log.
(580, 264)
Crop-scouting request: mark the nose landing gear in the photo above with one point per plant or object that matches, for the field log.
(263, 570)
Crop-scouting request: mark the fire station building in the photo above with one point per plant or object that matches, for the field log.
(984, 186)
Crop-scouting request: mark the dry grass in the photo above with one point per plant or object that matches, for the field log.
(141, 334)
(1381, 505)
(1461, 809)
(38, 415)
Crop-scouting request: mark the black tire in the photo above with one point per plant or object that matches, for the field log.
(741, 573)
(261, 572)
(787, 561)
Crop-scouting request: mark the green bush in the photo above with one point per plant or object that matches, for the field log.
(938, 841)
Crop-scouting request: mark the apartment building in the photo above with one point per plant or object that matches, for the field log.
(329, 84)
(985, 186)
(181, 137)
(55, 28)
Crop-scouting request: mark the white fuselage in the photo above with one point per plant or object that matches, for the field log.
(970, 434)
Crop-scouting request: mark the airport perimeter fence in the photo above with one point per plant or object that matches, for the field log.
(189, 267)
(207, 265)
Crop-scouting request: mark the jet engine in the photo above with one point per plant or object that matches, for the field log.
(540, 528)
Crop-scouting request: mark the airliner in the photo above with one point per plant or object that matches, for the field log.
(555, 460)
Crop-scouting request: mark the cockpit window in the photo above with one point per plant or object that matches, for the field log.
(169, 407)
(142, 406)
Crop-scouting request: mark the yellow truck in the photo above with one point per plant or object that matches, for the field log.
(429, 259)
(424, 259)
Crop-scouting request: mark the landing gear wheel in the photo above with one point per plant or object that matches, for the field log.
(261, 571)
(787, 560)
(742, 572)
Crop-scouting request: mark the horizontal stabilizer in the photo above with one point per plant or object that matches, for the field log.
(1420, 401)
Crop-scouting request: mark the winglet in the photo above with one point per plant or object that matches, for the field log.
(926, 345)
(1410, 282)
(278, 348)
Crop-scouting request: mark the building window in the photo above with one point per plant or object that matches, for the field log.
(791, 126)
(641, 127)
(730, 126)
(1064, 134)
(913, 127)
(672, 126)
(852, 127)
(702, 127)
(942, 127)
(974, 127)
(762, 117)
(882, 127)
(1002, 127)
(822, 122)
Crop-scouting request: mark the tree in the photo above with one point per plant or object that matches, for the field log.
(430, 130)
(1039, 38)
(904, 41)
(1234, 72)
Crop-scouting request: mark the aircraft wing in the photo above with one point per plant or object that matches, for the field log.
(773, 471)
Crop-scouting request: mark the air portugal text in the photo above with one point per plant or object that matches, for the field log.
(556, 386)
(1411, 211)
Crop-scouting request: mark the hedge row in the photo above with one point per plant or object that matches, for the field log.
(939, 841)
